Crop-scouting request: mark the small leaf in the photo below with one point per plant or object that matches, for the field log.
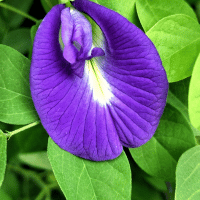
(3, 157)
(84, 179)
(18, 39)
(188, 175)
(177, 39)
(194, 95)
(36, 159)
(150, 12)
(15, 101)
(159, 156)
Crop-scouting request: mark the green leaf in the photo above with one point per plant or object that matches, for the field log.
(125, 8)
(48, 4)
(3, 157)
(158, 157)
(156, 183)
(85, 179)
(3, 29)
(143, 191)
(11, 183)
(177, 39)
(180, 90)
(34, 29)
(4, 195)
(194, 96)
(15, 102)
(13, 19)
(188, 175)
(150, 12)
(36, 159)
(178, 98)
(18, 39)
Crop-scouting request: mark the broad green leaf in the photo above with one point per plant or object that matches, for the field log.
(4, 195)
(13, 19)
(3, 157)
(36, 159)
(18, 39)
(177, 39)
(15, 100)
(124, 8)
(188, 175)
(150, 12)
(48, 4)
(156, 183)
(178, 98)
(194, 96)
(85, 179)
(159, 156)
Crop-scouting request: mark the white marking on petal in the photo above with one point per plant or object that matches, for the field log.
(99, 86)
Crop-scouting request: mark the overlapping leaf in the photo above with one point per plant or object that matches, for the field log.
(159, 156)
(15, 101)
(18, 39)
(188, 175)
(194, 96)
(14, 19)
(84, 179)
(177, 39)
(150, 12)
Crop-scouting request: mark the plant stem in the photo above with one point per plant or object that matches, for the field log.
(4, 5)
(9, 134)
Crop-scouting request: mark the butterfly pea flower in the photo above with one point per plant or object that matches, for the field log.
(96, 95)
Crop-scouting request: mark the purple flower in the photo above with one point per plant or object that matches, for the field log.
(94, 97)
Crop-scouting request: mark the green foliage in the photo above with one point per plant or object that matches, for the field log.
(159, 156)
(13, 19)
(129, 12)
(18, 39)
(3, 28)
(188, 175)
(11, 185)
(84, 179)
(143, 191)
(16, 104)
(173, 28)
(4, 195)
(32, 139)
(194, 96)
(48, 4)
(150, 12)
(3, 155)
(177, 39)
(36, 159)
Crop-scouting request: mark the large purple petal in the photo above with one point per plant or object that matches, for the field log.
(119, 103)
(64, 102)
(134, 72)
